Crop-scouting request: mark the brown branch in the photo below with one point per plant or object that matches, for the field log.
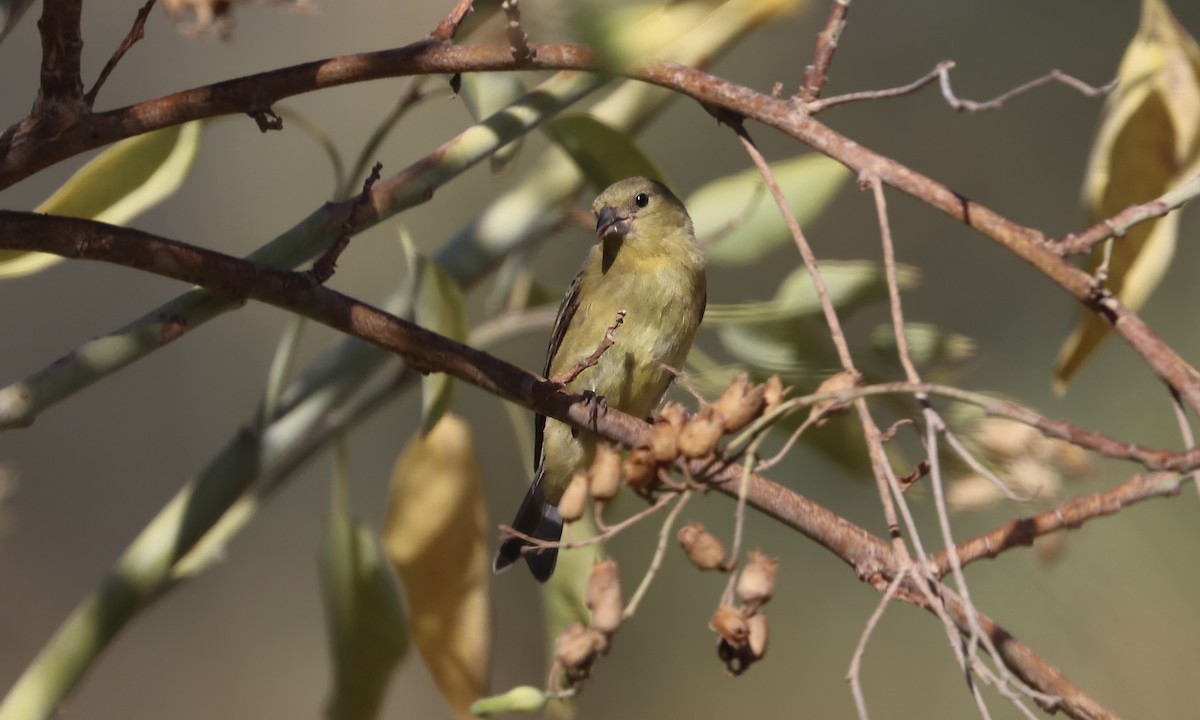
(1067, 516)
(59, 102)
(137, 32)
(1052, 76)
(817, 72)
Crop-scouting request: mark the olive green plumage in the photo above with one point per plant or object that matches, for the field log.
(648, 264)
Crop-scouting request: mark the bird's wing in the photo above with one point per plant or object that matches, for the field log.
(566, 311)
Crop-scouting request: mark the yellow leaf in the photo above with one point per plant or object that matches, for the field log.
(116, 186)
(435, 537)
(1147, 143)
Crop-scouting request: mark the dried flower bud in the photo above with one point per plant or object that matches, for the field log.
(606, 473)
(603, 597)
(729, 623)
(574, 499)
(700, 436)
(741, 403)
(756, 642)
(703, 550)
(577, 647)
(756, 584)
(675, 414)
(773, 393)
(641, 471)
(843, 380)
(664, 442)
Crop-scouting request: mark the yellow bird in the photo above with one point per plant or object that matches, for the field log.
(648, 264)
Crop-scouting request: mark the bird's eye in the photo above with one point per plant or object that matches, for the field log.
(642, 200)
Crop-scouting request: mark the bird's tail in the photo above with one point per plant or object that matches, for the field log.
(539, 519)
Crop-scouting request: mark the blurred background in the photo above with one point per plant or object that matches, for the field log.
(1116, 612)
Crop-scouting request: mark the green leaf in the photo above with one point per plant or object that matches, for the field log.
(367, 629)
(116, 186)
(487, 93)
(603, 154)
(930, 347)
(851, 284)
(438, 305)
(737, 214)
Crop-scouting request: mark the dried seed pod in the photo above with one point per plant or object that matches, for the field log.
(773, 393)
(729, 623)
(700, 436)
(756, 584)
(675, 414)
(574, 498)
(741, 403)
(577, 647)
(702, 549)
(664, 442)
(606, 473)
(603, 597)
(640, 468)
(756, 642)
(843, 380)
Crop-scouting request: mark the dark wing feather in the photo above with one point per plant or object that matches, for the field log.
(566, 311)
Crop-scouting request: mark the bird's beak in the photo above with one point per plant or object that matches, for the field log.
(610, 223)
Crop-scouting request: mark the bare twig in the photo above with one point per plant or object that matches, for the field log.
(659, 553)
(137, 32)
(1185, 429)
(1069, 515)
(518, 41)
(1119, 224)
(324, 266)
(853, 674)
(993, 104)
(447, 28)
(609, 340)
(537, 545)
(817, 72)
(928, 79)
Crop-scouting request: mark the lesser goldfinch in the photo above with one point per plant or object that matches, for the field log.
(648, 264)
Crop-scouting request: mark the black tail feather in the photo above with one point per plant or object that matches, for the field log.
(536, 518)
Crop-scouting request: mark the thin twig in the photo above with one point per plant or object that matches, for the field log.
(1067, 516)
(567, 376)
(817, 72)
(659, 553)
(852, 674)
(447, 28)
(1185, 429)
(993, 104)
(537, 545)
(518, 41)
(1119, 224)
(137, 32)
(324, 266)
(928, 79)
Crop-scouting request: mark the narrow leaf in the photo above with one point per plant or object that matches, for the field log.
(603, 154)
(116, 186)
(363, 610)
(738, 216)
(486, 93)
